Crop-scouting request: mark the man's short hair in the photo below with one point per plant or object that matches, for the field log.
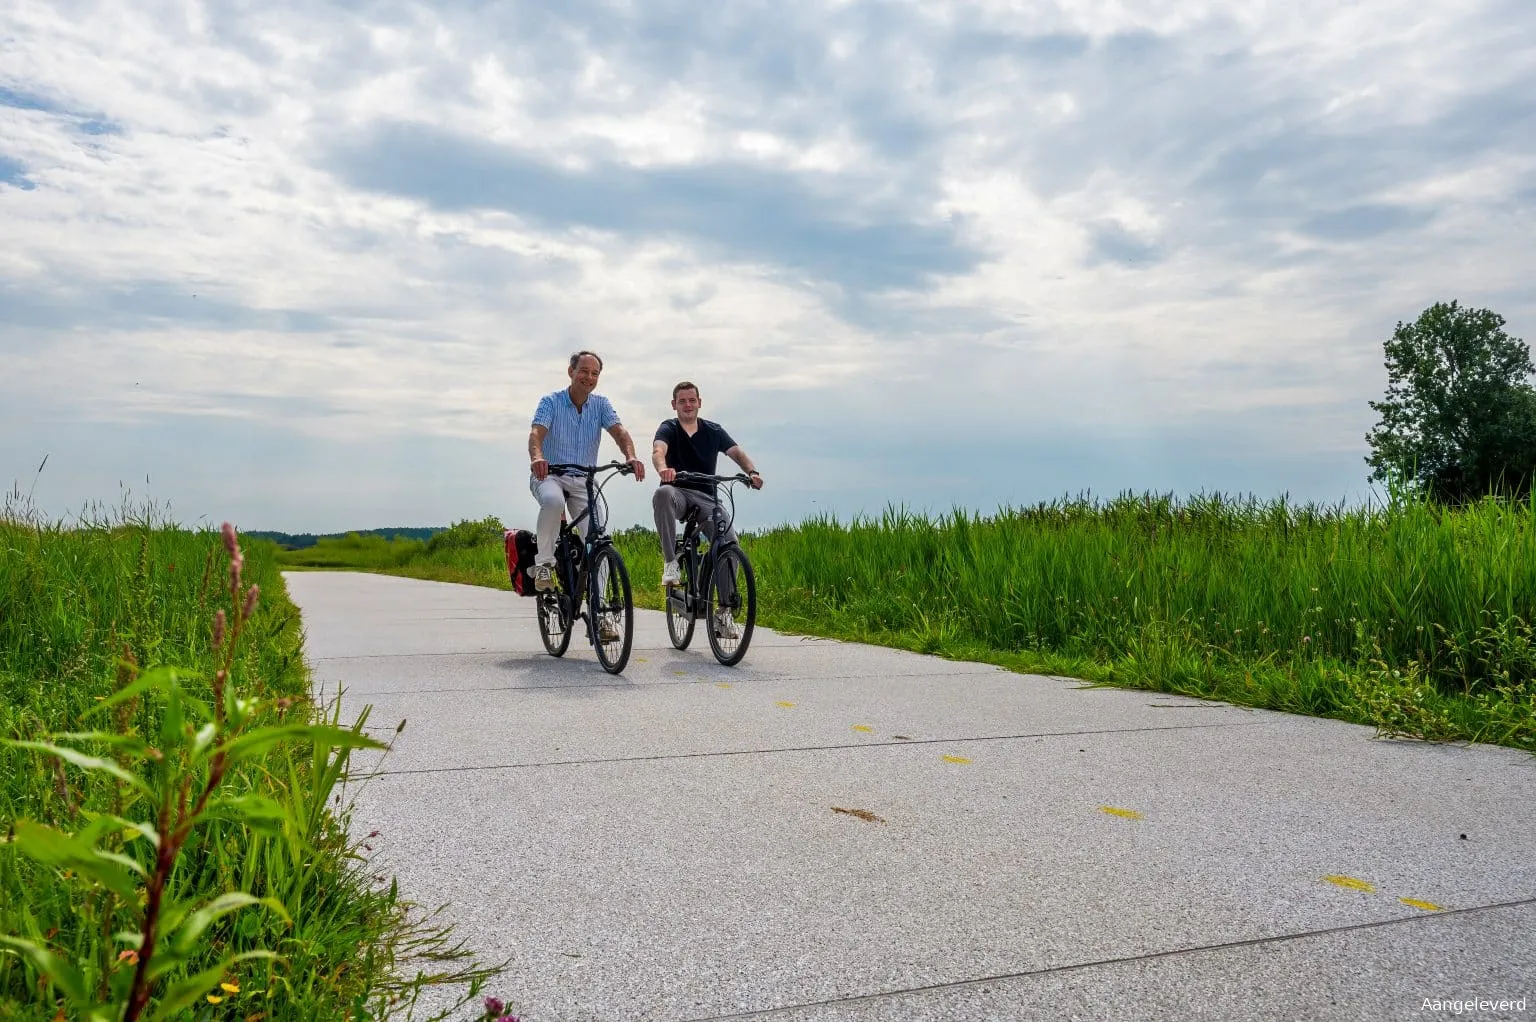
(576, 358)
(685, 385)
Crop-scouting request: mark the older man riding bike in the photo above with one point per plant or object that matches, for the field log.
(568, 428)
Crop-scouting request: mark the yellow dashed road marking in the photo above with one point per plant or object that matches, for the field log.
(722, 684)
(1427, 906)
(862, 727)
(787, 706)
(1353, 883)
(1125, 814)
(956, 759)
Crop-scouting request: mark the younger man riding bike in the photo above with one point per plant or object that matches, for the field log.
(691, 444)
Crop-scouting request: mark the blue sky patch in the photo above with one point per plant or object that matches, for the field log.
(14, 173)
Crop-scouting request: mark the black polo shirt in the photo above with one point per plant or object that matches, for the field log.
(696, 453)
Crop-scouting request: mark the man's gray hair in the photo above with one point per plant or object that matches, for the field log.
(577, 358)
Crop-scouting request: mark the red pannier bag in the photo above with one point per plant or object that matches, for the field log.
(522, 549)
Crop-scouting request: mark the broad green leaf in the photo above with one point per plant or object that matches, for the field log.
(171, 914)
(56, 848)
(44, 843)
(186, 993)
(182, 995)
(82, 761)
(172, 719)
(197, 922)
(237, 708)
(165, 962)
(157, 678)
(104, 737)
(109, 876)
(125, 861)
(61, 973)
(254, 811)
(262, 739)
(140, 828)
(240, 806)
(205, 737)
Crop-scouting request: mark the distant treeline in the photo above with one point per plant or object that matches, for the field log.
(298, 541)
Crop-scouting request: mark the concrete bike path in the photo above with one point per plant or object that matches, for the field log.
(675, 843)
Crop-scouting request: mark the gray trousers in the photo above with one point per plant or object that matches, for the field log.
(670, 504)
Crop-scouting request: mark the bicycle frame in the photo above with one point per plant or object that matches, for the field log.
(700, 564)
(575, 578)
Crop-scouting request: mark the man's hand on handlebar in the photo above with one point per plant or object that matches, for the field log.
(755, 480)
(667, 474)
(638, 467)
(540, 468)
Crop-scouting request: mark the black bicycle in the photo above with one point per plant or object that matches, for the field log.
(716, 583)
(589, 571)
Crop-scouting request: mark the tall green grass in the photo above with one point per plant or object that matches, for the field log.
(1414, 618)
(1452, 591)
(1411, 617)
(85, 614)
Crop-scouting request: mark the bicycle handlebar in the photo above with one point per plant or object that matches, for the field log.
(705, 477)
(565, 468)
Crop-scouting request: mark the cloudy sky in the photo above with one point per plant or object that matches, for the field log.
(309, 266)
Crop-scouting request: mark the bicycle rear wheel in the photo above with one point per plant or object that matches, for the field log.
(613, 610)
(679, 599)
(729, 619)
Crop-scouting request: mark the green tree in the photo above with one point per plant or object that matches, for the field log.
(1459, 416)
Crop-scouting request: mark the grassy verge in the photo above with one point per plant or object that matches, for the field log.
(1414, 619)
(176, 788)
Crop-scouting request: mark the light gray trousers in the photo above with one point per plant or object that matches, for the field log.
(555, 494)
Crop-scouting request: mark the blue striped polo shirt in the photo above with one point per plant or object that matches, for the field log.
(574, 436)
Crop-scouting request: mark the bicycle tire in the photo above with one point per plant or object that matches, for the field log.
(730, 651)
(680, 621)
(609, 593)
(554, 629)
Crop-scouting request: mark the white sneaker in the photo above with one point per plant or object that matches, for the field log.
(725, 628)
(543, 577)
(671, 575)
(608, 627)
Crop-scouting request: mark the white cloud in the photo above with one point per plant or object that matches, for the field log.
(1107, 219)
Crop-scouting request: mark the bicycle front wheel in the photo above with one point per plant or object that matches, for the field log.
(554, 626)
(731, 606)
(613, 610)
(680, 616)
